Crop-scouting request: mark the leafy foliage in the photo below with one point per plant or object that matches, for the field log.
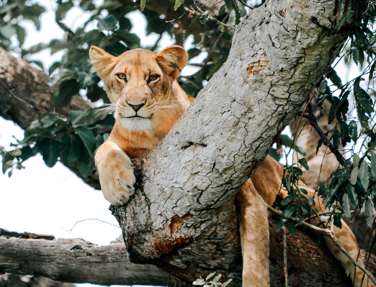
(71, 140)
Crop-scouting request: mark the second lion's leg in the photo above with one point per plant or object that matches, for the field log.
(254, 237)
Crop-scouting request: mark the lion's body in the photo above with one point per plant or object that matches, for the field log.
(149, 101)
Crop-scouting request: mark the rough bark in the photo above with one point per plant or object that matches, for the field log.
(75, 260)
(184, 206)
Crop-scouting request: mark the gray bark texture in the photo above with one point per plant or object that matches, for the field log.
(75, 260)
(184, 207)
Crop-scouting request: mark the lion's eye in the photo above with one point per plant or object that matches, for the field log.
(153, 78)
(122, 76)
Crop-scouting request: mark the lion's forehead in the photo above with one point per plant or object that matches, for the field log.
(137, 62)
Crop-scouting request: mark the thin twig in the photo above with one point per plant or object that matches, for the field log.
(91, 219)
(285, 270)
(312, 120)
(155, 46)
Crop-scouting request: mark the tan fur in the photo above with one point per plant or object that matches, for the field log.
(162, 103)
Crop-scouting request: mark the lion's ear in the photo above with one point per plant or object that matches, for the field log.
(172, 60)
(102, 61)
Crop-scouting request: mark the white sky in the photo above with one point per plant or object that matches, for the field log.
(51, 200)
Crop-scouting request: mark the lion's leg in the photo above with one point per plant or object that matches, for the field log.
(254, 236)
(115, 172)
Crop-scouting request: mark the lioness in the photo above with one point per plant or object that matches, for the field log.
(149, 101)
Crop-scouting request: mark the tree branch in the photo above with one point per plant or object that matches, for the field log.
(185, 204)
(25, 93)
(75, 260)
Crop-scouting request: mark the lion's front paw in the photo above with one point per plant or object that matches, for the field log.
(116, 178)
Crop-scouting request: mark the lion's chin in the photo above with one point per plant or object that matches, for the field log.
(136, 124)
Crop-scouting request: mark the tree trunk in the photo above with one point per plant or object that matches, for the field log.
(183, 215)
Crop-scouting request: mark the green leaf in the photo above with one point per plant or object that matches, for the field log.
(364, 104)
(50, 151)
(288, 142)
(88, 138)
(364, 175)
(303, 162)
(369, 210)
(20, 34)
(346, 205)
(336, 80)
(85, 165)
(8, 31)
(131, 39)
(63, 8)
(355, 169)
(66, 90)
(108, 23)
(373, 165)
(177, 4)
(142, 4)
(337, 220)
(350, 191)
(371, 71)
(72, 149)
(87, 117)
(353, 130)
(49, 120)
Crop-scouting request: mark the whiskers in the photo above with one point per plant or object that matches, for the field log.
(162, 106)
(148, 108)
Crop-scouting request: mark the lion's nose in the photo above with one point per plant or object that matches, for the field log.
(136, 107)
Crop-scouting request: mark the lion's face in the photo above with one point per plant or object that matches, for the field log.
(143, 84)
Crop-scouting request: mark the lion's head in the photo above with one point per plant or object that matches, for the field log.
(143, 86)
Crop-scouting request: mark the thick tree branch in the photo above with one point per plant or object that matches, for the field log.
(75, 260)
(25, 93)
(186, 204)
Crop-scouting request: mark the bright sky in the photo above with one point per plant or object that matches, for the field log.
(53, 200)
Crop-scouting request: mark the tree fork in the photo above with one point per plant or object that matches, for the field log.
(184, 205)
